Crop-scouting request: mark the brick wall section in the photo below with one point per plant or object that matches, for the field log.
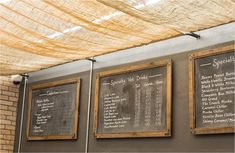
(9, 94)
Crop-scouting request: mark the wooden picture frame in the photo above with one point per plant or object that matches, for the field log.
(76, 109)
(127, 69)
(192, 87)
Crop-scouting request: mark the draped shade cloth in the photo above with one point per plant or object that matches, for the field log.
(37, 34)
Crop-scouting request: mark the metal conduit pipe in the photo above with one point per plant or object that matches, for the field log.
(25, 78)
(89, 104)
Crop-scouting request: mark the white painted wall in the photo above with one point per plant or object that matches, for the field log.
(209, 37)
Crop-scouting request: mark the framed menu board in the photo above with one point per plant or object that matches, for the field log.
(53, 110)
(134, 101)
(212, 91)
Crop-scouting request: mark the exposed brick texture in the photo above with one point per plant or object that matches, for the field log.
(8, 103)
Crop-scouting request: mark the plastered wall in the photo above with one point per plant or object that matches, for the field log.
(181, 140)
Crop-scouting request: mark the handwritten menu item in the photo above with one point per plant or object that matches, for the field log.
(134, 101)
(212, 101)
(53, 110)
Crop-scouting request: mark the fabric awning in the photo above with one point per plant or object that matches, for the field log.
(37, 34)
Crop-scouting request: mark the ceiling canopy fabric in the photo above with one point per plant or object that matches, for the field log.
(37, 34)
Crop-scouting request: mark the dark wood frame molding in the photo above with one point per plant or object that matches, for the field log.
(192, 102)
(53, 84)
(126, 69)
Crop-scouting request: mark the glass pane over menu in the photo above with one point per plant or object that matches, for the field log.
(134, 101)
(53, 110)
(215, 91)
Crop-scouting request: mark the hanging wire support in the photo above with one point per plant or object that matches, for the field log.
(91, 59)
(193, 35)
(24, 75)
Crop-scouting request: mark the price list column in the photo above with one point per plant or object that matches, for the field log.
(158, 104)
(137, 107)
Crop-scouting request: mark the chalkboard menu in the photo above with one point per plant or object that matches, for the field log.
(53, 110)
(212, 91)
(134, 101)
